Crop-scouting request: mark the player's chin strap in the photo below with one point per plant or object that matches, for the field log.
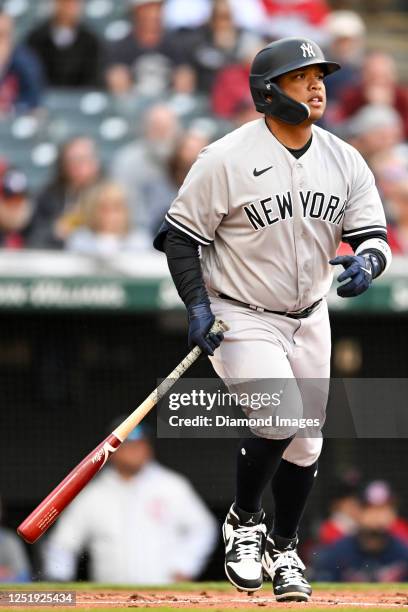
(284, 107)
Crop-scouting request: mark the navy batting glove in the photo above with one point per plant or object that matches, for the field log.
(200, 320)
(358, 269)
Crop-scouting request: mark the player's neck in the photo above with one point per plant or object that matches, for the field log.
(292, 136)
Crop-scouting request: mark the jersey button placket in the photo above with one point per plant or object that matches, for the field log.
(301, 180)
(297, 175)
(307, 269)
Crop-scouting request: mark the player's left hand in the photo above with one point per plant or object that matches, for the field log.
(358, 269)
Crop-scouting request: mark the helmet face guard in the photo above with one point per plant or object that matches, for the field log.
(281, 105)
(277, 59)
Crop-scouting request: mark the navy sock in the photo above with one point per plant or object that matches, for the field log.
(257, 461)
(291, 486)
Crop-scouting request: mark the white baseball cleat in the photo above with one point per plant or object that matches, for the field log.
(282, 563)
(244, 536)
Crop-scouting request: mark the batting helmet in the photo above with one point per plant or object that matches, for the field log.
(276, 59)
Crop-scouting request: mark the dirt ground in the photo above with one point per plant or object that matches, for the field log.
(208, 599)
(211, 597)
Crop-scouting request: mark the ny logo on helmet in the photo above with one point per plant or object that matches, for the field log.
(308, 50)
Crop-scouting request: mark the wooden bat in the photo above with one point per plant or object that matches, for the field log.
(47, 512)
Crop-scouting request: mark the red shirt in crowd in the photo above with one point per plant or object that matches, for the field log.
(312, 11)
(353, 99)
(234, 80)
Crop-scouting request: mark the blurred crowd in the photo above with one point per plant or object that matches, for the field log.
(137, 507)
(139, 521)
(167, 56)
(363, 539)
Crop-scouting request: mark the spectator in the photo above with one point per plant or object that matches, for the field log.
(244, 111)
(398, 228)
(378, 493)
(15, 209)
(230, 91)
(390, 169)
(142, 523)
(302, 18)
(21, 79)
(149, 56)
(143, 163)
(345, 508)
(160, 194)
(374, 129)
(347, 34)
(180, 14)
(56, 215)
(106, 225)
(69, 52)
(186, 14)
(215, 45)
(378, 85)
(373, 554)
(14, 564)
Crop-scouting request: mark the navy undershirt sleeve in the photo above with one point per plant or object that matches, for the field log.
(183, 259)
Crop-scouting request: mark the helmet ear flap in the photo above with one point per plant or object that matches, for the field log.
(283, 106)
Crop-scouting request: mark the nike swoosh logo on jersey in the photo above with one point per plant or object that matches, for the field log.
(259, 172)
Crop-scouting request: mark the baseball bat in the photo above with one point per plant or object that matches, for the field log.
(47, 512)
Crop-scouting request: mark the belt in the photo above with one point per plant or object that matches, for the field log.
(302, 314)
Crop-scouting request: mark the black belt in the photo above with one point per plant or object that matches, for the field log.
(302, 314)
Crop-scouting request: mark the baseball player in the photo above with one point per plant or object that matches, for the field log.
(269, 204)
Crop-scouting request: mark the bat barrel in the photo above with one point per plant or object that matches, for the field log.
(47, 512)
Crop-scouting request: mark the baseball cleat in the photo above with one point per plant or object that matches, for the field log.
(244, 536)
(282, 563)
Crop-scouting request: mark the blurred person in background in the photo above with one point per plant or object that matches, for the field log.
(347, 42)
(16, 209)
(389, 168)
(301, 18)
(141, 522)
(243, 112)
(148, 58)
(372, 554)
(160, 194)
(143, 163)
(397, 206)
(57, 215)
(105, 228)
(234, 80)
(181, 14)
(70, 54)
(379, 493)
(344, 513)
(14, 563)
(21, 78)
(374, 129)
(215, 45)
(378, 85)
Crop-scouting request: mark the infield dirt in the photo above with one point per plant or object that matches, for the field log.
(216, 597)
(230, 600)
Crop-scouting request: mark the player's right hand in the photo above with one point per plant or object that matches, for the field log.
(200, 320)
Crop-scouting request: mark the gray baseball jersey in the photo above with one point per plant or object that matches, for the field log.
(270, 222)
